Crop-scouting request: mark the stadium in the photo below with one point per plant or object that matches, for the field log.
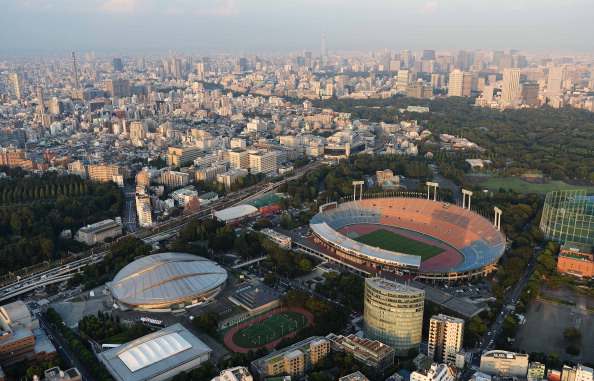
(409, 237)
(166, 281)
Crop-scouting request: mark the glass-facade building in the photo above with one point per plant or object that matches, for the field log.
(393, 314)
(568, 216)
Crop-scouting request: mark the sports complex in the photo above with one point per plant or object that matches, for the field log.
(267, 330)
(409, 237)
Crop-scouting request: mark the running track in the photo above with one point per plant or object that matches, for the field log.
(449, 259)
(234, 347)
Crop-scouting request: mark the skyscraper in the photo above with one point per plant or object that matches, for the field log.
(118, 87)
(428, 55)
(511, 85)
(177, 68)
(16, 85)
(445, 338)
(393, 314)
(554, 81)
(118, 65)
(530, 93)
(324, 48)
(456, 83)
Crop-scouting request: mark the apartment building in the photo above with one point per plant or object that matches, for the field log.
(445, 338)
(174, 179)
(372, 353)
(263, 162)
(106, 173)
(294, 360)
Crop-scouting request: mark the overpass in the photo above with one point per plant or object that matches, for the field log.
(249, 263)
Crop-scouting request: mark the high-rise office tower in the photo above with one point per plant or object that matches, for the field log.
(506, 61)
(511, 85)
(554, 81)
(467, 84)
(530, 93)
(324, 48)
(445, 338)
(428, 55)
(393, 314)
(118, 65)
(456, 83)
(75, 71)
(16, 85)
(177, 68)
(118, 87)
(39, 92)
(488, 94)
(407, 59)
(462, 59)
(201, 71)
(497, 56)
(141, 64)
(402, 79)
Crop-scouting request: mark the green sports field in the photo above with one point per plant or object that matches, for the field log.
(270, 329)
(387, 240)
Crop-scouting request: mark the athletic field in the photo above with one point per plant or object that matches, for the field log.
(387, 240)
(265, 331)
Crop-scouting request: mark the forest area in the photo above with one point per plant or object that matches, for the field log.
(35, 209)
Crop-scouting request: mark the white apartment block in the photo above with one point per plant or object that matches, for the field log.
(143, 210)
(437, 372)
(239, 158)
(263, 162)
(445, 338)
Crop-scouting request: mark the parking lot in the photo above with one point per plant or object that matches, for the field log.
(543, 331)
(472, 290)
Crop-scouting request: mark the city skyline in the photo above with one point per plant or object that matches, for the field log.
(238, 25)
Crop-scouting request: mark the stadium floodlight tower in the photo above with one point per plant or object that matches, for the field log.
(497, 221)
(433, 185)
(355, 184)
(464, 194)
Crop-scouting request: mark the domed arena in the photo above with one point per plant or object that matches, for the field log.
(166, 281)
(409, 237)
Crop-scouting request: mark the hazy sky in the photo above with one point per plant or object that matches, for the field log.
(56, 26)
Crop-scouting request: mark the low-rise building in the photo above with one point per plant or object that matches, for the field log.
(536, 371)
(207, 198)
(175, 179)
(504, 363)
(283, 241)
(577, 373)
(387, 180)
(157, 356)
(576, 259)
(57, 374)
(20, 336)
(239, 373)
(98, 232)
(106, 173)
(437, 372)
(372, 353)
(357, 376)
(294, 360)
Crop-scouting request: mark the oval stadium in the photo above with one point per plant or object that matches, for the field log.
(166, 281)
(409, 237)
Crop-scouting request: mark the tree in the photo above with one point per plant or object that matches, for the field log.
(572, 334)
(207, 321)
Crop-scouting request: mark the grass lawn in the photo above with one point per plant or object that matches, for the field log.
(517, 184)
(270, 329)
(120, 338)
(387, 240)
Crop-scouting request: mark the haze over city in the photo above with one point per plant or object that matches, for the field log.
(54, 26)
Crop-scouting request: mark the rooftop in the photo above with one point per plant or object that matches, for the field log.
(390, 286)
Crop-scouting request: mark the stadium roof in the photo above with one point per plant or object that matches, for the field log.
(165, 278)
(171, 349)
(361, 249)
(235, 212)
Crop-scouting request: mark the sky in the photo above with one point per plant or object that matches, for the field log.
(34, 27)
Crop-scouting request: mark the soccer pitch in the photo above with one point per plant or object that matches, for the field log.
(270, 329)
(387, 240)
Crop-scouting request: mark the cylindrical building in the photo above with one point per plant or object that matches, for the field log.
(393, 314)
